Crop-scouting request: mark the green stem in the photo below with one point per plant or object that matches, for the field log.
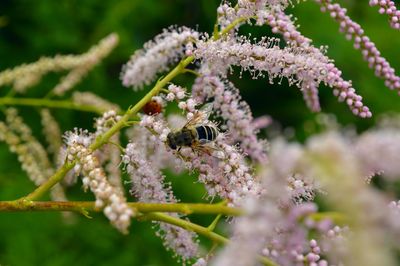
(104, 138)
(191, 71)
(336, 217)
(40, 190)
(63, 104)
(162, 217)
(230, 27)
(11, 93)
(214, 223)
(78, 206)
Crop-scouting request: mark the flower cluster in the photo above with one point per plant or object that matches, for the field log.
(52, 132)
(282, 23)
(246, 10)
(31, 154)
(294, 63)
(110, 154)
(388, 7)
(286, 239)
(91, 99)
(379, 152)
(148, 186)
(107, 196)
(275, 229)
(368, 49)
(228, 104)
(28, 75)
(167, 47)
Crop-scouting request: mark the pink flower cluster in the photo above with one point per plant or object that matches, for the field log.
(157, 55)
(227, 104)
(388, 7)
(148, 186)
(283, 24)
(368, 49)
(300, 66)
(107, 196)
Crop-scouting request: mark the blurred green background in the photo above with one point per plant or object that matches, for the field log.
(30, 29)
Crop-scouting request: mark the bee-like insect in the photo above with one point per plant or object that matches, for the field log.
(193, 134)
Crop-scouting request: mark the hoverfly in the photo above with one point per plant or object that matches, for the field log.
(194, 134)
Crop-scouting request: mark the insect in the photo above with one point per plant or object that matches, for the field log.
(152, 107)
(193, 134)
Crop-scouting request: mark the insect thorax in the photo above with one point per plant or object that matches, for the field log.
(184, 137)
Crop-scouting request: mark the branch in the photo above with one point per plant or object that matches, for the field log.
(231, 26)
(162, 217)
(78, 206)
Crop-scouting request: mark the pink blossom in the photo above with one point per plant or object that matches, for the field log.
(388, 7)
(148, 186)
(156, 56)
(370, 53)
(297, 64)
(228, 104)
(108, 197)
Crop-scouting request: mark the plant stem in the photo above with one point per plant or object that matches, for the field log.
(162, 217)
(214, 223)
(185, 208)
(336, 217)
(197, 74)
(63, 104)
(230, 27)
(43, 188)
(151, 211)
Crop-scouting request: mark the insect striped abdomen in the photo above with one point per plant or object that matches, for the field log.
(206, 133)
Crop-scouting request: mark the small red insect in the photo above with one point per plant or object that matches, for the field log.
(152, 107)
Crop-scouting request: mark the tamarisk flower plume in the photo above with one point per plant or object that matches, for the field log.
(272, 226)
(339, 163)
(167, 47)
(91, 99)
(27, 75)
(388, 7)
(52, 132)
(277, 224)
(370, 53)
(110, 154)
(31, 154)
(94, 56)
(283, 24)
(247, 9)
(227, 104)
(107, 196)
(294, 63)
(385, 156)
(148, 186)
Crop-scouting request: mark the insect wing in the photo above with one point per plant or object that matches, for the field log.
(207, 149)
(200, 116)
